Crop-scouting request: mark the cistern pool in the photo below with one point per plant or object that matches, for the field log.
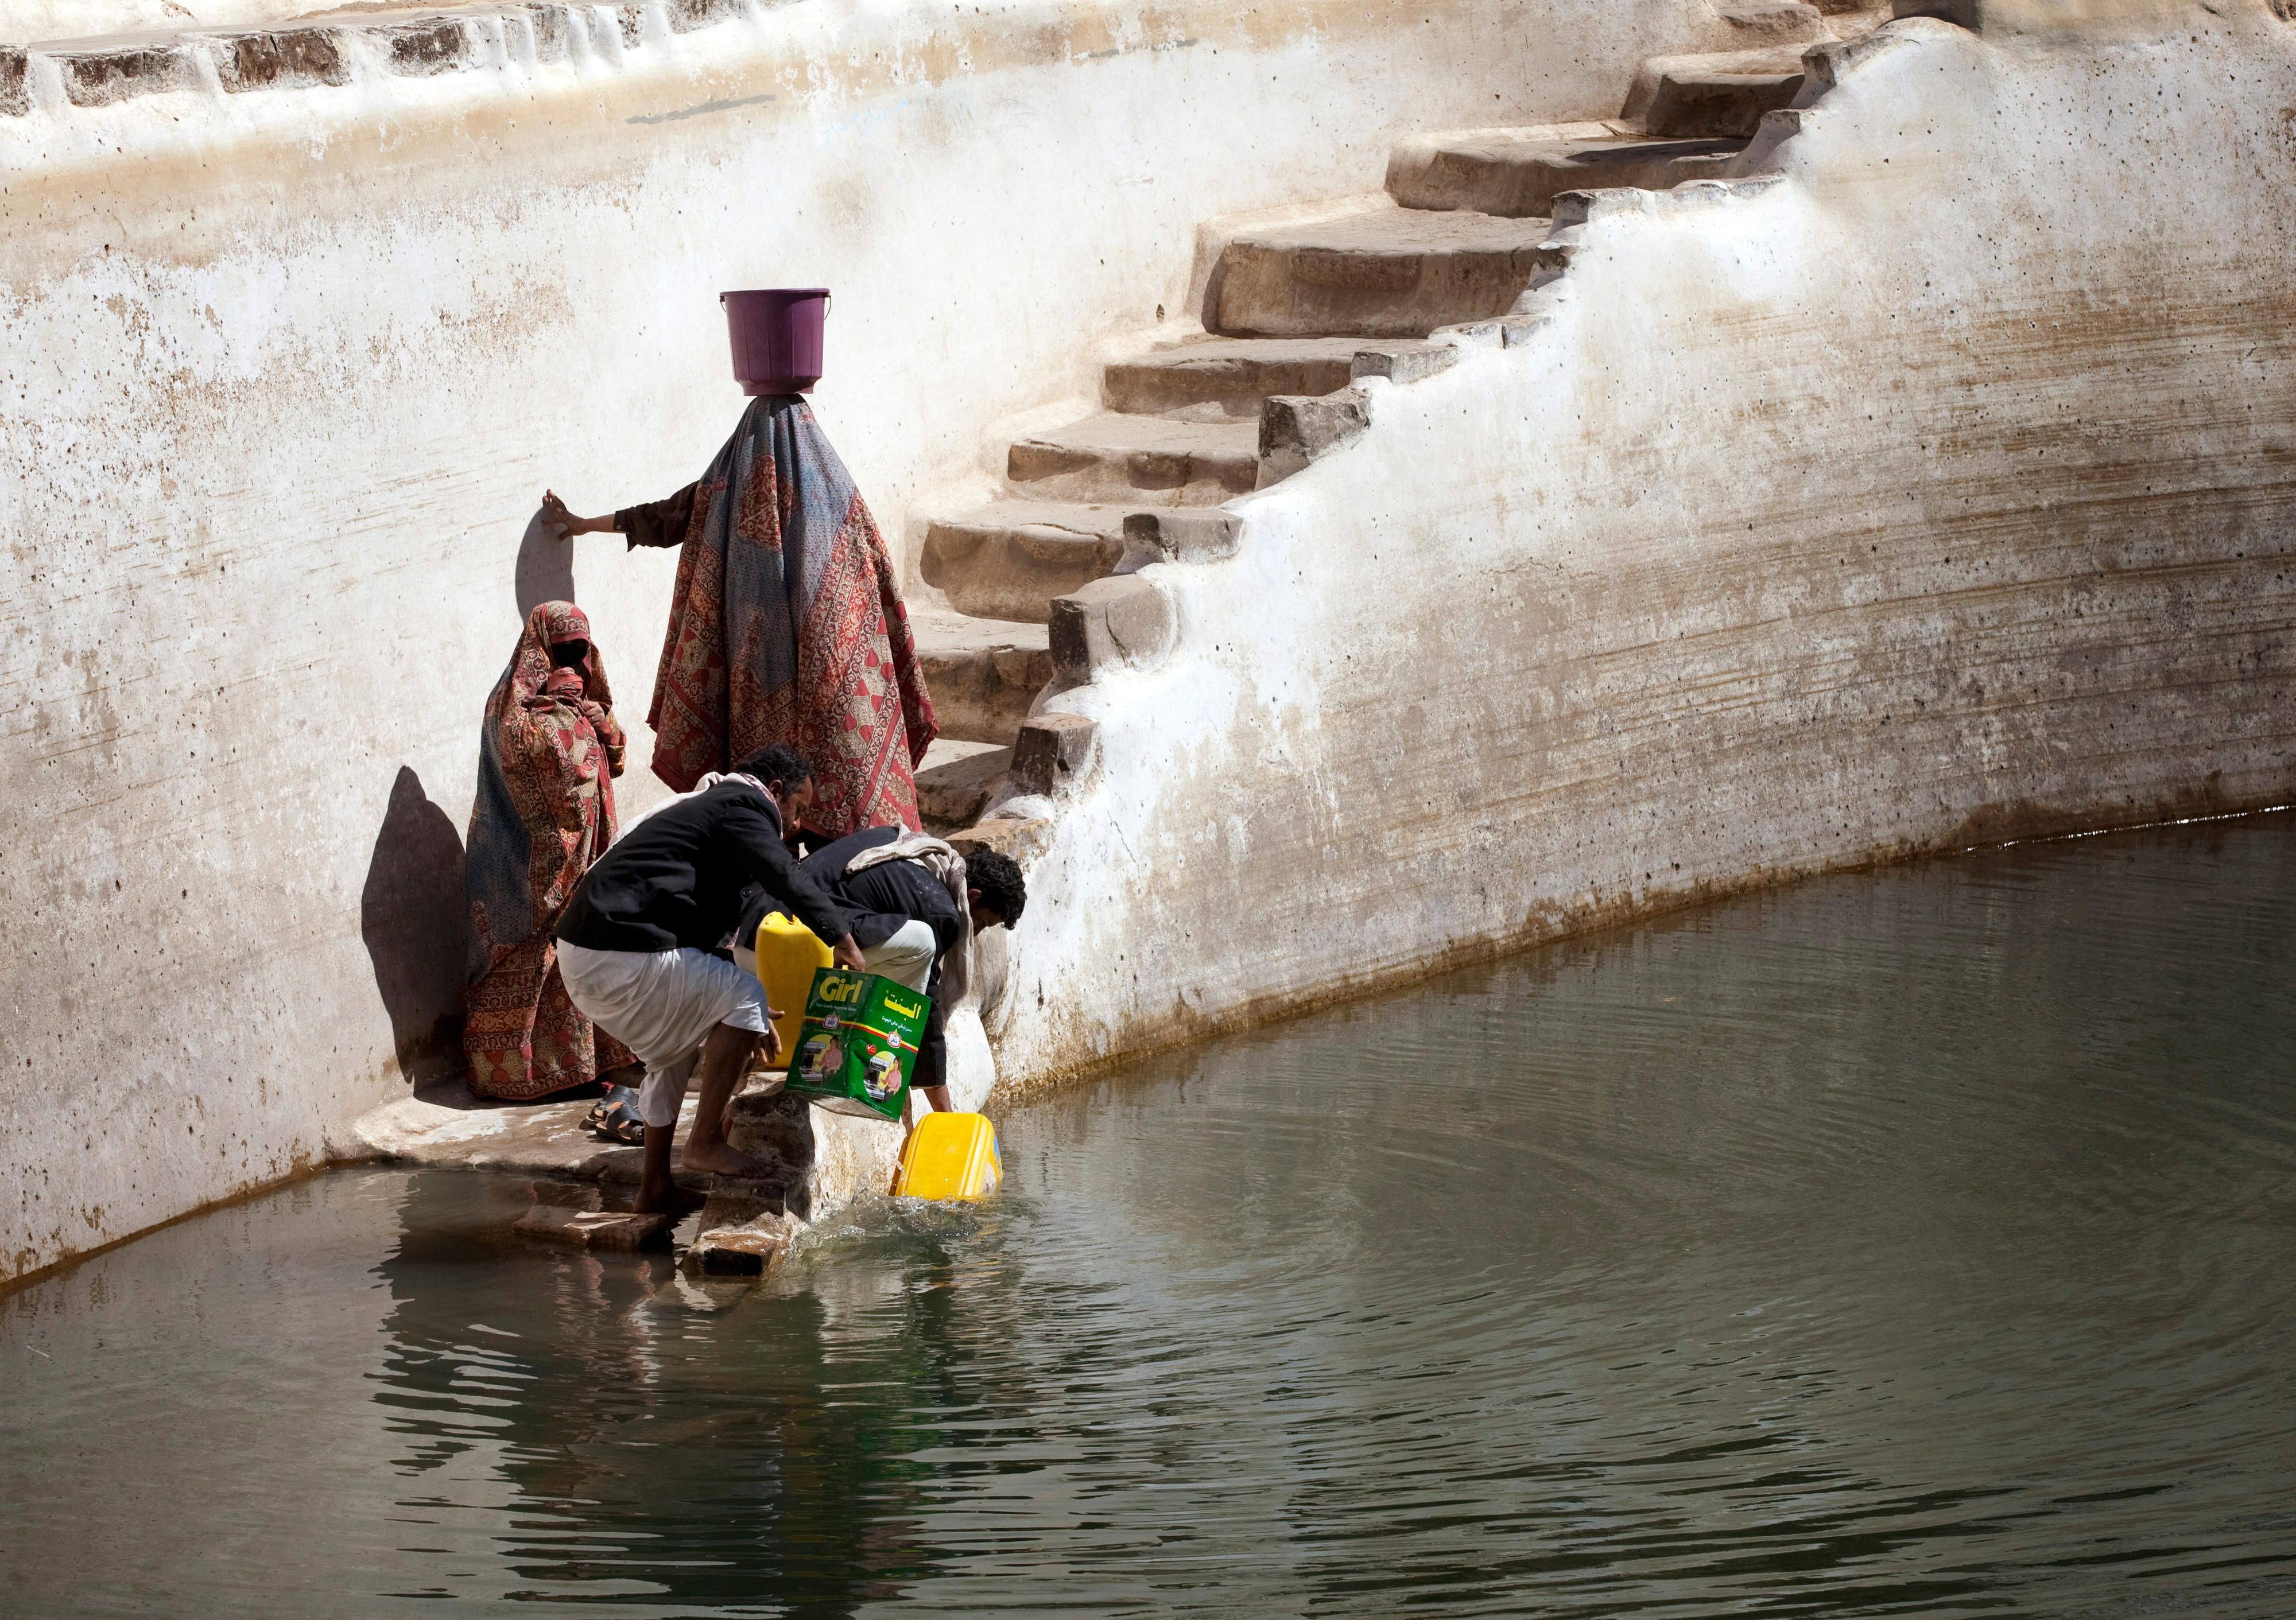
(1913, 1242)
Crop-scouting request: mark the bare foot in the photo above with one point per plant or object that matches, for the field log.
(720, 1159)
(672, 1199)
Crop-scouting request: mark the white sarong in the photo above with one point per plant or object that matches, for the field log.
(662, 1005)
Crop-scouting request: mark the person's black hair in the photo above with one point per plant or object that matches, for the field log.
(777, 761)
(567, 655)
(998, 877)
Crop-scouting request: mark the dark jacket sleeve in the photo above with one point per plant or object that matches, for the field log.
(658, 522)
(755, 840)
(857, 894)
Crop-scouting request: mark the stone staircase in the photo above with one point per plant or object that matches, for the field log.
(1296, 305)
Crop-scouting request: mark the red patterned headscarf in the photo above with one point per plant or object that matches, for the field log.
(545, 806)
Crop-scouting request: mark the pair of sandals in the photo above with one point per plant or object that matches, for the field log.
(615, 1118)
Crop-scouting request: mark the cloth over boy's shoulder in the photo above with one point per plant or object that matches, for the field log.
(877, 900)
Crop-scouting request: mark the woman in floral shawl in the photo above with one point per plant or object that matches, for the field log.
(787, 624)
(544, 811)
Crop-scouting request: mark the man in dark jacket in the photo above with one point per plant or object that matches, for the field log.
(904, 919)
(638, 950)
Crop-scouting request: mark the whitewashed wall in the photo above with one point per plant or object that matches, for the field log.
(1942, 494)
(283, 373)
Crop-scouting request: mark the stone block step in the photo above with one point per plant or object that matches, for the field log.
(1385, 272)
(1719, 104)
(1226, 378)
(1515, 176)
(956, 781)
(1146, 460)
(1773, 18)
(613, 1228)
(1720, 97)
(1009, 558)
(982, 674)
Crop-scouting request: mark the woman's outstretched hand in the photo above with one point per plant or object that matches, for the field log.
(563, 523)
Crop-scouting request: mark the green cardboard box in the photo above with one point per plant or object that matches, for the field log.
(857, 1046)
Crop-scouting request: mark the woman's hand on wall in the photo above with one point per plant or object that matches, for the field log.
(563, 523)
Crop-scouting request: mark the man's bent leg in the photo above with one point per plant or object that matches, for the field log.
(724, 1056)
(905, 956)
(659, 1192)
(659, 1097)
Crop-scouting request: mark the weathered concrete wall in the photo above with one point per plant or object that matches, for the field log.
(288, 362)
(43, 19)
(1945, 493)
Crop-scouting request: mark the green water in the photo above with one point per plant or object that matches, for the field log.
(1918, 1242)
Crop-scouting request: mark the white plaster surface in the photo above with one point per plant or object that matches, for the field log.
(24, 21)
(1940, 494)
(283, 373)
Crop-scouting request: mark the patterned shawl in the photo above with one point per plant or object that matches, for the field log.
(788, 627)
(545, 806)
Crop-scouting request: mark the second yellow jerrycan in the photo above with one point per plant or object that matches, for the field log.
(949, 1156)
(788, 952)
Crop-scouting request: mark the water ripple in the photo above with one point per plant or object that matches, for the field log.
(1915, 1243)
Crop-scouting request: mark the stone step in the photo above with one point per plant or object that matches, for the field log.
(955, 783)
(1719, 104)
(1515, 175)
(1009, 558)
(1386, 272)
(1226, 378)
(615, 1229)
(1777, 19)
(1718, 98)
(982, 674)
(1146, 460)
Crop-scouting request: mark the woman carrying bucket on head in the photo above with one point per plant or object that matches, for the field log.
(548, 755)
(787, 624)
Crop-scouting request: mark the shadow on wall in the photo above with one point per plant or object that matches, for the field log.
(416, 926)
(545, 568)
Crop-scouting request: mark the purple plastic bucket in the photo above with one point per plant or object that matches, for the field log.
(776, 333)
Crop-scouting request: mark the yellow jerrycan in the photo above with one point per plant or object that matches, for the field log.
(788, 952)
(949, 1156)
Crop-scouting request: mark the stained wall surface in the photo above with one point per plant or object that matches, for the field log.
(1940, 494)
(28, 21)
(1937, 495)
(285, 372)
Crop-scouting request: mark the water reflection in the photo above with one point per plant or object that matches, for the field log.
(633, 1448)
(1915, 1243)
